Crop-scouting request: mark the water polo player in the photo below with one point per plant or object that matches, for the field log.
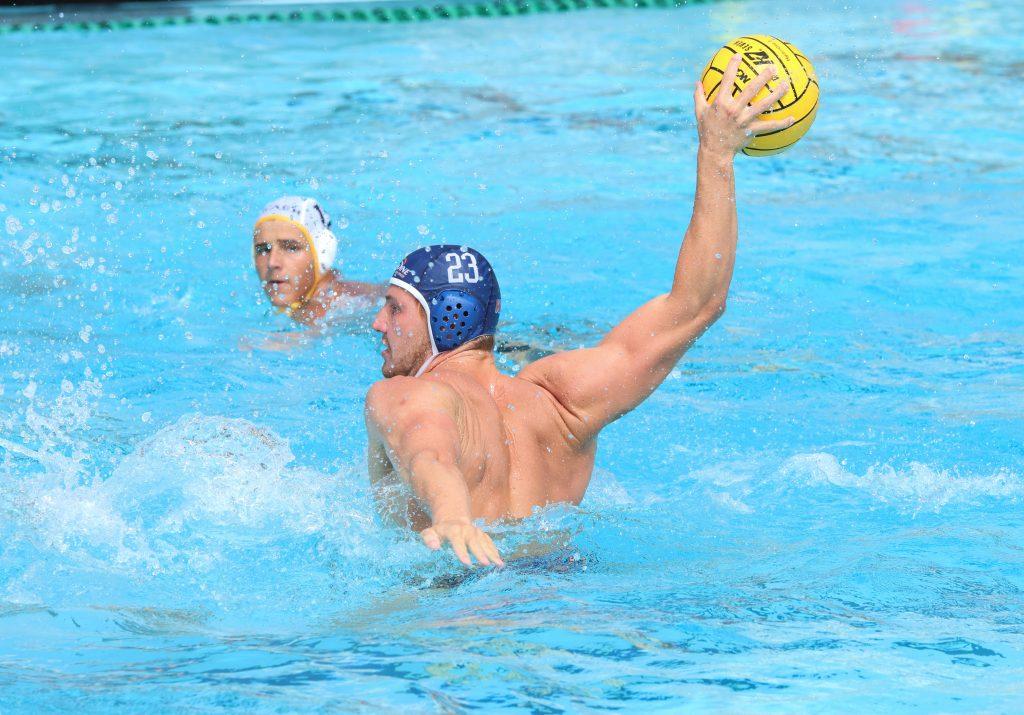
(296, 256)
(473, 443)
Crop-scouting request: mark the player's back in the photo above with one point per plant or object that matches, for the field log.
(517, 450)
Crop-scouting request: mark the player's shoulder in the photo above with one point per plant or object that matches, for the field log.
(557, 378)
(538, 382)
(401, 392)
(544, 373)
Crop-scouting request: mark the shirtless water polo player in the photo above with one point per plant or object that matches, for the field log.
(472, 443)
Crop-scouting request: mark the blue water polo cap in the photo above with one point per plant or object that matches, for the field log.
(458, 291)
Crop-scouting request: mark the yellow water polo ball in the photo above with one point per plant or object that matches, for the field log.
(800, 102)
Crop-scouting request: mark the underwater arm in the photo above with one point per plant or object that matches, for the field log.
(598, 385)
(414, 423)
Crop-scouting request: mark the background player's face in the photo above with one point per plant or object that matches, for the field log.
(283, 261)
(403, 328)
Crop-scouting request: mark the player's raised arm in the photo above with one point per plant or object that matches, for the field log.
(598, 385)
(414, 424)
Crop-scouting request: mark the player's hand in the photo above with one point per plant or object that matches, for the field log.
(465, 539)
(729, 123)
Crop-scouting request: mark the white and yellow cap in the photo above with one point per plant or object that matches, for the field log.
(314, 223)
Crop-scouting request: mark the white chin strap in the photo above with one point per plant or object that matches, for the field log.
(425, 365)
(415, 293)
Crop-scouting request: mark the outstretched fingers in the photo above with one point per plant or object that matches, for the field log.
(483, 549)
(459, 547)
(771, 125)
(755, 85)
(763, 105)
(491, 550)
(728, 80)
(476, 546)
(468, 542)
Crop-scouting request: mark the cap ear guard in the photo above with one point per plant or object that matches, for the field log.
(456, 317)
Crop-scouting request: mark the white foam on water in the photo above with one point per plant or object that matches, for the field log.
(916, 485)
(747, 486)
(606, 491)
(208, 512)
(81, 524)
(220, 471)
(728, 501)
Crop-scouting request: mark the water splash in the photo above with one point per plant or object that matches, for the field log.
(208, 512)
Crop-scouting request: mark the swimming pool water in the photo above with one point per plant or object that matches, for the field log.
(818, 510)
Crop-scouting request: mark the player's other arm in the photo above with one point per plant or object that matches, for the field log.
(598, 385)
(413, 421)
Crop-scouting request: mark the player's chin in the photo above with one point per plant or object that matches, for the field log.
(277, 298)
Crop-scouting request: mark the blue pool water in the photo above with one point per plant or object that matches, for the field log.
(820, 509)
